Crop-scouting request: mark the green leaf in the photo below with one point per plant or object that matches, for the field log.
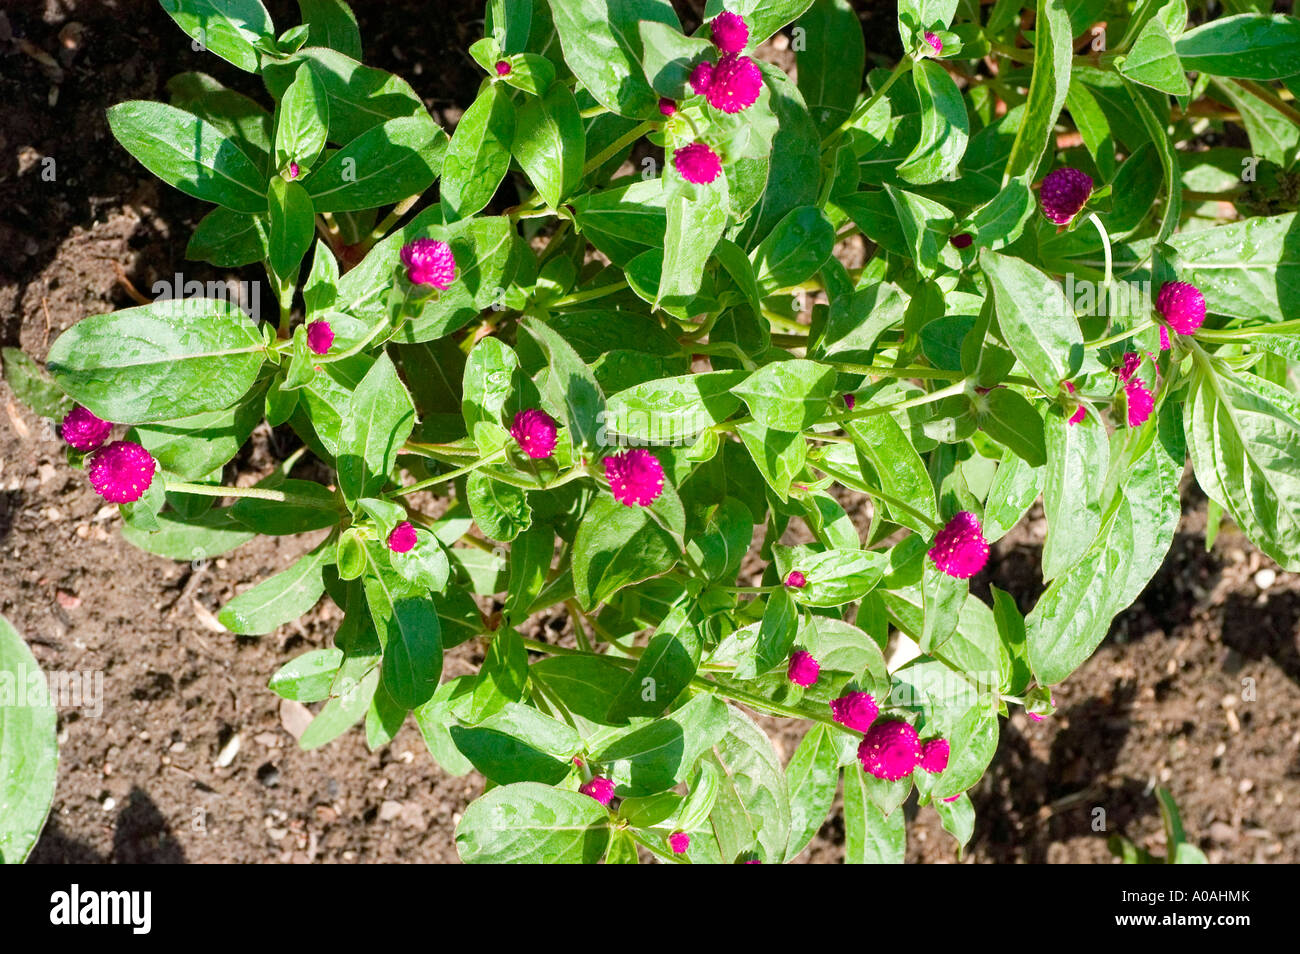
(292, 227)
(670, 410)
(696, 219)
(602, 45)
(158, 362)
(1155, 124)
(1036, 319)
(778, 455)
(1053, 53)
(229, 239)
(519, 744)
(1152, 61)
(342, 711)
(1249, 46)
(308, 677)
(550, 144)
(569, 384)
(1244, 437)
(379, 420)
(752, 811)
(312, 506)
(870, 836)
(1077, 457)
(775, 637)
(204, 537)
(944, 127)
(664, 669)
(488, 385)
(193, 447)
(788, 395)
(532, 823)
(383, 165)
(616, 546)
(831, 62)
(331, 23)
(232, 29)
(281, 598)
(794, 169)
(587, 685)
(652, 758)
(1009, 418)
(1247, 269)
(301, 122)
(793, 251)
(29, 753)
(32, 385)
(670, 57)
(812, 777)
(408, 628)
(502, 677)
(190, 154)
(479, 154)
(899, 468)
(501, 510)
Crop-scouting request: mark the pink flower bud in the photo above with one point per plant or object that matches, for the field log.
(502, 68)
(961, 240)
(736, 83)
(83, 430)
(402, 539)
(730, 34)
(429, 262)
(320, 336)
(666, 106)
(679, 841)
(534, 431)
(960, 549)
(934, 756)
(890, 750)
(121, 472)
(701, 78)
(796, 580)
(1139, 401)
(855, 711)
(1080, 412)
(803, 669)
(850, 401)
(934, 42)
(697, 163)
(599, 788)
(1064, 193)
(293, 170)
(635, 477)
(1182, 306)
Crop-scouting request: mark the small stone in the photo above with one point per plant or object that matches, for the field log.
(109, 803)
(390, 810)
(228, 752)
(1265, 578)
(295, 717)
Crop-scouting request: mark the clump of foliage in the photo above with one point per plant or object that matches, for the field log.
(618, 395)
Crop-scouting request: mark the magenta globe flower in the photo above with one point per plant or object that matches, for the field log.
(1064, 193)
(293, 170)
(730, 34)
(121, 472)
(402, 539)
(796, 580)
(502, 68)
(320, 337)
(1181, 305)
(1139, 401)
(855, 711)
(701, 78)
(679, 841)
(960, 549)
(736, 83)
(934, 756)
(666, 106)
(534, 431)
(83, 430)
(890, 751)
(697, 163)
(803, 669)
(933, 42)
(636, 478)
(429, 262)
(599, 788)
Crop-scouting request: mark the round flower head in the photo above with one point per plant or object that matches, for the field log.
(961, 240)
(534, 430)
(121, 472)
(1132, 361)
(890, 750)
(1064, 193)
(502, 68)
(429, 262)
(402, 539)
(293, 170)
(701, 78)
(320, 336)
(697, 163)
(736, 83)
(83, 430)
(730, 34)
(855, 711)
(1080, 412)
(934, 42)
(796, 580)
(1182, 305)
(1139, 400)
(803, 669)
(666, 106)
(599, 788)
(934, 756)
(960, 549)
(635, 477)
(850, 401)
(679, 841)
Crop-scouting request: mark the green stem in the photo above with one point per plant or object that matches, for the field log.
(1105, 244)
(1121, 335)
(898, 372)
(1234, 334)
(904, 65)
(451, 475)
(257, 493)
(617, 146)
(591, 294)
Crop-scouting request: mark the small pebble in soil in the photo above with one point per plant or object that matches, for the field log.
(1265, 578)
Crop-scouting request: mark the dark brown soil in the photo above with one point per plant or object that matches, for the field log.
(1160, 703)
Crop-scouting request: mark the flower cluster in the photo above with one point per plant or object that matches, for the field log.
(960, 549)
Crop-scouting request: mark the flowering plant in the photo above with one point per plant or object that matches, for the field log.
(657, 401)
